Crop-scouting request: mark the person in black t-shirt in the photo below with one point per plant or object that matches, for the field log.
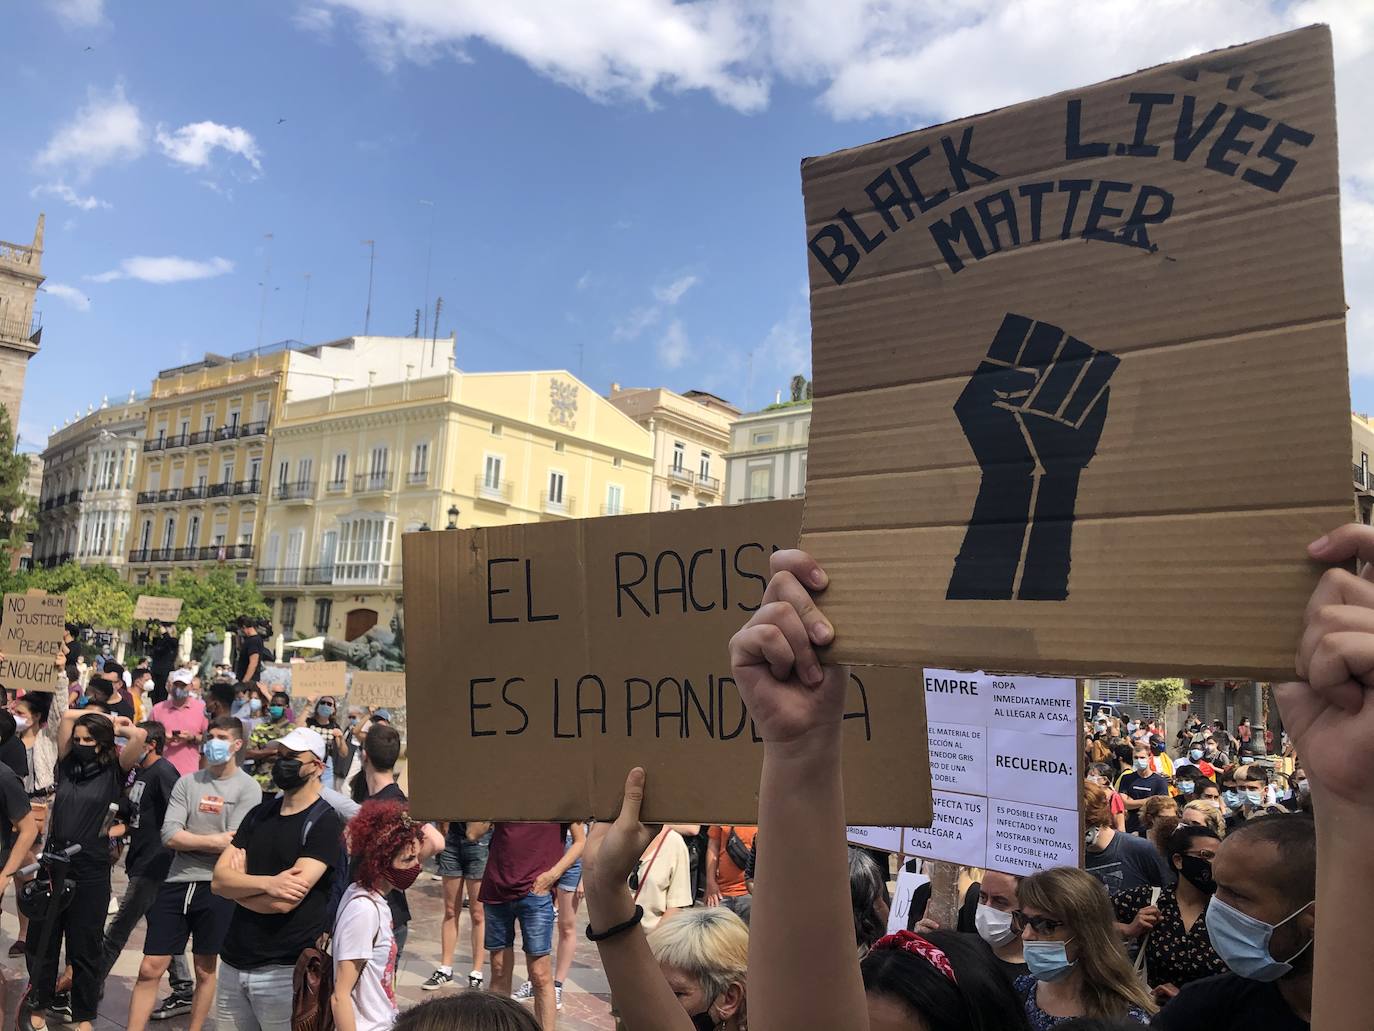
(12, 751)
(1138, 786)
(162, 655)
(90, 778)
(280, 871)
(248, 665)
(1262, 923)
(147, 861)
(107, 688)
(18, 827)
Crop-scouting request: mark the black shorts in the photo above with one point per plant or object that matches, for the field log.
(185, 910)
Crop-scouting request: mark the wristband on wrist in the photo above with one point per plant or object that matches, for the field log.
(594, 936)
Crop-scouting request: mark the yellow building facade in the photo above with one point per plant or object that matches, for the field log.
(353, 471)
(208, 445)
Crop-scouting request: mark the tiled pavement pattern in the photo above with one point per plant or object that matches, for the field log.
(586, 1005)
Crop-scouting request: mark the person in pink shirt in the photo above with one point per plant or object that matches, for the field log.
(184, 718)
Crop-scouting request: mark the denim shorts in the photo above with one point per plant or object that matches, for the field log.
(466, 859)
(535, 914)
(571, 877)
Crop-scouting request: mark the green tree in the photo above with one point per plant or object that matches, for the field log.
(95, 595)
(1163, 694)
(16, 508)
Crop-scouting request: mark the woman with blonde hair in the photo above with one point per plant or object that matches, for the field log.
(1078, 966)
(1204, 813)
(704, 956)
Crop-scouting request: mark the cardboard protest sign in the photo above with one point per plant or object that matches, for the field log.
(313, 679)
(164, 610)
(546, 660)
(31, 639)
(1080, 374)
(377, 690)
(1005, 758)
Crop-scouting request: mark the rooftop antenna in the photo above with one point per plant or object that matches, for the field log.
(429, 257)
(416, 331)
(434, 340)
(305, 306)
(266, 279)
(371, 246)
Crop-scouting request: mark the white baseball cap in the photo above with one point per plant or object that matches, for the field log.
(180, 676)
(302, 739)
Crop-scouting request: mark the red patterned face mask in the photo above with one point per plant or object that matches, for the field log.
(404, 878)
(906, 941)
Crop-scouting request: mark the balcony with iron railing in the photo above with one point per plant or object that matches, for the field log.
(336, 486)
(709, 484)
(295, 576)
(201, 437)
(379, 481)
(566, 505)
(299, 492)
(1362, 477)
(417, 477)
(253, 429)
(498, 491)
(59, 500)
(195, 493)
(681, 474)
(615, 510)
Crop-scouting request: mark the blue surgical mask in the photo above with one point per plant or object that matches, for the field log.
(276, 711)
(1142, 764)
(255, 705)
(180, 693)
(1231, 798)
(216, 751)
(1243, 941)
(326, 711)
(1195, 754)
(1254, 797)
(1185, 786)
(1048, 961)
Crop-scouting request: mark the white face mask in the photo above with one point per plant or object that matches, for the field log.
(20, 724)
(993, 925)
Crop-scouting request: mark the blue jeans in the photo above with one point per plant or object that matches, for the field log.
(536, 916)
(254, 1000)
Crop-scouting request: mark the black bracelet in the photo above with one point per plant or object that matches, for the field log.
(593, 936)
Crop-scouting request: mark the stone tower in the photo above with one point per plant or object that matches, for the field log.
(20, 331)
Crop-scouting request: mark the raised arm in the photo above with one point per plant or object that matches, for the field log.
(1330, 715)
(135, 738)
(798, 706)
(642, 996)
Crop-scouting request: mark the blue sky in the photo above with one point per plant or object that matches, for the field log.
(614, 183)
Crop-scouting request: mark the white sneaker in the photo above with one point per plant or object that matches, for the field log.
(558, 996)
(525, 993)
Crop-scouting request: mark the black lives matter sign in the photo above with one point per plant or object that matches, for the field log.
(31, 641)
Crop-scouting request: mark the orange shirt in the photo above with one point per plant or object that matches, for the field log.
(729, 877)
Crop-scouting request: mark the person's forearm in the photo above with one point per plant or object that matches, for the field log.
(1133, 803)
(252, 667)
(263, 903)
(642, 997)
(185, 841)
(233, 884)
(19, 851)
(341, 1003)
(801, 817)
(476, 830)
(1343, 952)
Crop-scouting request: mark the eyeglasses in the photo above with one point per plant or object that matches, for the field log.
(1039, 924)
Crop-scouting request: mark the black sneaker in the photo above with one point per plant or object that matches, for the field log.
(173, 1006)
(437, 980)
(61, 1008)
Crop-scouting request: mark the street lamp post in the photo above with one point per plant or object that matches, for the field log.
(453, 517)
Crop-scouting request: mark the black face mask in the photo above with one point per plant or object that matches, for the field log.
(83, 755)
(1198, 873)
(286, 774)
(704, 1021)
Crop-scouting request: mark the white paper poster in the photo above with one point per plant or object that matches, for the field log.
(889, 839)
(1033, 768)
(958, 758)
(1024, 838)
(957, 835)
(899, 915)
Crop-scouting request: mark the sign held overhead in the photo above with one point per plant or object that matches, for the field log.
(1080, 374)
(31, 640)
(164, 610)
(583, 648)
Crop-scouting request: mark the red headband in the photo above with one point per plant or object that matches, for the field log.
(905, 941)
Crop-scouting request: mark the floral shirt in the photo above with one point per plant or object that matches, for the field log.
(1173, 954)
(263, 735)
(1041, 1021)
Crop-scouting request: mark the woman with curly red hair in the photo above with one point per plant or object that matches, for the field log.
(385, 845)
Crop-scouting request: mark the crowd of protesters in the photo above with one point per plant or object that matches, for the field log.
(256, 828)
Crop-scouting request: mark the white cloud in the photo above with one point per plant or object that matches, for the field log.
(70, 294)
(108, 129)
(637, 322)
(79, 14)
(674, 347)
(170, 269)
(192, 145)
(672, 292)
(607, 49)
(67, 195)
(584, 281)
(319, 21)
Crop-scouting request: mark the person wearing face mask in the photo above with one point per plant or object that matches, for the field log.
(1205, 812)
(323, 718)
(385, 845)
(1261, 921)
(205, 809)
(1178, 951)
(185, 720)
(1101, 774)
(1119, 861)
(91, 777)
(279, 870)
(1077, 965)
(262, 751)
(1302, 795)
(997, 901)
(1254, 796)
(1197, 756)
(146, 860)
(18, 825)
(1140, 784)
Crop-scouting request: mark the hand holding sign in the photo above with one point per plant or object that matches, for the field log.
(1033, 412)
(614, 848)
(787, 690)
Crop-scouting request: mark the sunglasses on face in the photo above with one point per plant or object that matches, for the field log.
(1039, 924)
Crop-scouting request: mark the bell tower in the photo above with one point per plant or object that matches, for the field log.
(20, 330)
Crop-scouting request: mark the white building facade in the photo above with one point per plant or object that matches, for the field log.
(767, 457)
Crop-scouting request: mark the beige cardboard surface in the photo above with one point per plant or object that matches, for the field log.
(312, 679)
(30, 639)
(165, 610)
(1080, 374)
(377, 690)
(546, 660)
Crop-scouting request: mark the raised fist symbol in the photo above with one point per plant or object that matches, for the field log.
(1033, 413)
